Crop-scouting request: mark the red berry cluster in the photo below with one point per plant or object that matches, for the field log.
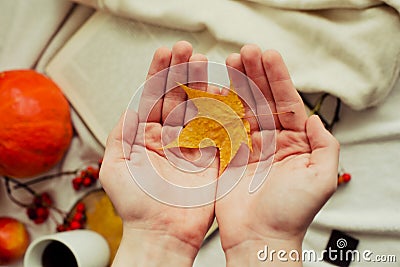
(86, 178)
(39, 210)
(77, 221)
(344, 178)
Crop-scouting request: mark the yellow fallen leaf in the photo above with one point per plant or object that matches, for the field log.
(102, 218)
(219, 122)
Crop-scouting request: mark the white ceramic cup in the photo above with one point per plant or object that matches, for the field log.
(89, 248)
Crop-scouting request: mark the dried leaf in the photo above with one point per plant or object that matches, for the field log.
(219, 122)
(102, 218)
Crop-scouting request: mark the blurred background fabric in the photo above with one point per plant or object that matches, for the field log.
(26, 29)
(350, 49)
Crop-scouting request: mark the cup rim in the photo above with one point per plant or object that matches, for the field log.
(54, 237)
(46, 240)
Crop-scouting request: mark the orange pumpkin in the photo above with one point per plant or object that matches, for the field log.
(35, 123)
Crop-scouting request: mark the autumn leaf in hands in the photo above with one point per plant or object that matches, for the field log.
(219, 122)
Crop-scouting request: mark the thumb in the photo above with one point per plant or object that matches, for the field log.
(121, 138)
(324, 147)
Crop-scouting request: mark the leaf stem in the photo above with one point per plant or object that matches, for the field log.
(270, 114)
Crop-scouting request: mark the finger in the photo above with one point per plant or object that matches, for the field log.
(178, 73)
(240, 83)
(198, 79)
(120, 141)
(251, 57)
(150, 106)
(198, 74)
(285, 95)
(212, 89)
(324, 148)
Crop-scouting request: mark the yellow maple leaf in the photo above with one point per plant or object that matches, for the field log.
(219, 122)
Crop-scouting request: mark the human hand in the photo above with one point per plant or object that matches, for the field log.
(155, 233)
(302, 177)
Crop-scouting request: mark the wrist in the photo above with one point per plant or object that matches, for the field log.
(149, 248)
(266, 252)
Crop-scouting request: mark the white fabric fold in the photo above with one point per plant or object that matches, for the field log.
(350, 49)
(26, 29)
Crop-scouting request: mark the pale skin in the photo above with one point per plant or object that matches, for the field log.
(302, 178)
